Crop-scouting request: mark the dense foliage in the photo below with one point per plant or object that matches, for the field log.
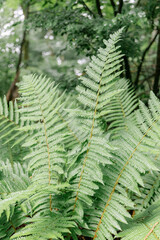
(80, 120)
(35, 35)
(76, 179)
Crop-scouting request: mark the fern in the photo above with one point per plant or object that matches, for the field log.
(77, 178)
(10, 122)
(10, 137)
(144, 226)
(95, 93)
(131, 162)
(121, 108)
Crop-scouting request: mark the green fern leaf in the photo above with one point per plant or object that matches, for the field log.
(95, 93)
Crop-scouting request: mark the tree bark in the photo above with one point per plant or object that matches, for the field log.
(157, 72)
(99, 8)
(120, 6)
(143, 58)
(12, 92)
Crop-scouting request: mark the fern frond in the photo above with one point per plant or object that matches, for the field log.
(13, 179)
(95, 93)
(10, 122)
(150, 191)
(77, 136)
(130, 162)
(55, 226)
(10, 137)
(40, 105)
(9, 227)
(47, 158)
(143, 226)
(121, 108)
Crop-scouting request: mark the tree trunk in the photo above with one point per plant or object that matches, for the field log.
(13, 92)
(120, 6)
(99, 8)
(157, 73)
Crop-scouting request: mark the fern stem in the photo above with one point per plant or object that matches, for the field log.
(151, 231)
(117, 181)
(13, 226)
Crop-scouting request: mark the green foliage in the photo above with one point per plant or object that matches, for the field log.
(144, 226)
(84, 171)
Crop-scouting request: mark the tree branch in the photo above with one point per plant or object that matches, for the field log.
(143, 58)
(87, 8)
(99, 8)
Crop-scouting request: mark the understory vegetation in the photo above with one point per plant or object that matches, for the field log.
(81, 166)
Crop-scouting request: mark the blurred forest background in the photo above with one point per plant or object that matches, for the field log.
(57, 39)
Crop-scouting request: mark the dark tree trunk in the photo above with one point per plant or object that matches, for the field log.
(157, 73)
(99, 8)
(13, 92)
(120, 6)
